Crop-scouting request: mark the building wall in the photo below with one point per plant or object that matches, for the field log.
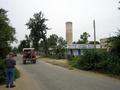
(76, 49)
(103, 43)
(82, 46)
(69, 35)
(74, 52)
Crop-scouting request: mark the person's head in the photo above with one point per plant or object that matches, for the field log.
(11, 54)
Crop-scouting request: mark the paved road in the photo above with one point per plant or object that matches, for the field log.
(51, 77)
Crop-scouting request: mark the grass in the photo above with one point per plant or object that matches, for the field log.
(17, 73)
(59, 62)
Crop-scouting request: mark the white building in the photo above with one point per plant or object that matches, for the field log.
(76, 49)
(104, 43)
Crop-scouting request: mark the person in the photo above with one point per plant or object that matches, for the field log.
(10, 70)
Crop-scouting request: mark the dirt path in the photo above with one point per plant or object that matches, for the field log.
(59, 62)
(23, 83)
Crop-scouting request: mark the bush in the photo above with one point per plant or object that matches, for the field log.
(57, 54)
(97, 60)
(17, 73)
(113, 64)
(75, 62)
(2, 71)
(91, 59)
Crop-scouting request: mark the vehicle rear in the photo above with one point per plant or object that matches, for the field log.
(29, 55)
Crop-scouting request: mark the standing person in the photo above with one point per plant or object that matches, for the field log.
(10, 70)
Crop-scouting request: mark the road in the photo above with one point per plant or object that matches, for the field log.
(51, 77)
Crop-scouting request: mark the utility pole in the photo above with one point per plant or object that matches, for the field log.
(94, 34)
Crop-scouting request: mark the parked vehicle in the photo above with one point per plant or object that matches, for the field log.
(29, 55)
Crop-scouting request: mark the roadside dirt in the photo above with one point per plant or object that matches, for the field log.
(59, 62)
(23, 83)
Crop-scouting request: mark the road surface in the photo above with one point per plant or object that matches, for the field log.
(51, 77)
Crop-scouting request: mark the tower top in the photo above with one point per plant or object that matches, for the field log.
(69, 35)
(69, 22)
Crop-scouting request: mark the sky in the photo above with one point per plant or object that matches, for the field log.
(80, 12)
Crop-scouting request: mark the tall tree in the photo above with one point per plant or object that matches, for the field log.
(38, 30)
(7, 33)
(85, 36)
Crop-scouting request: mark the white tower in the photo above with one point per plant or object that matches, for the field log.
(69, 35)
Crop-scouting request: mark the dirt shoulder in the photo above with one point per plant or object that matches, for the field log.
(59, 62)
(23, 83)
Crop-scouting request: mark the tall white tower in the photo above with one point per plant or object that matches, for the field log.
(69, 35)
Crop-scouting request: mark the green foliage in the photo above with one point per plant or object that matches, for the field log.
(60, 53)
(2, 71)
(38, 30)
(75, 62)
(57, 46)
(92, 58)
(84, 37)
(15, 50)
(57, 53)
(97, 60)
(7, 33)
(24, 43)
(114, 44)
(17, 73)
(113, 64)
(52, 41)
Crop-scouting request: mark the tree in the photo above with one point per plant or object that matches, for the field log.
(60, 49)
(52, 40)
(24, 43)
(114, 44)
(38, 30)
(61, 42)
(7, 33)
(85, 36)
(15, 50)
(57, 46)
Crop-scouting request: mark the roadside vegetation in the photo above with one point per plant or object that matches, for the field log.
(100, 60)
(7, 36)
(56, 47)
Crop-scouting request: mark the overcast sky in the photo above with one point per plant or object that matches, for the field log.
(80, 12)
